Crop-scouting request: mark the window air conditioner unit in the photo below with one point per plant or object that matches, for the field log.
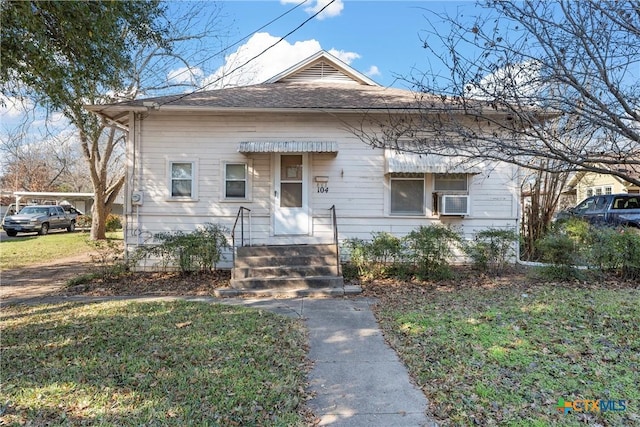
(451, 204)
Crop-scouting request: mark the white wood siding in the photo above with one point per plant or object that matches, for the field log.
(357, 184)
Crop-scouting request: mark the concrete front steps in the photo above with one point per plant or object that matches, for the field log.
(300, 270)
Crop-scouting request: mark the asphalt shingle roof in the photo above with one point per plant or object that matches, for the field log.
(291, 95)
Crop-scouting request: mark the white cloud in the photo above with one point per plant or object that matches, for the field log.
(316, 5)
(372, 71)
(11, 106)
(277, 59)
(54, 122)
(519, 80)
(184, 75)
(346, 57)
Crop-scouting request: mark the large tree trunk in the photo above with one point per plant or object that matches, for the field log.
(105, 192)
(99, 216)
(102, 205)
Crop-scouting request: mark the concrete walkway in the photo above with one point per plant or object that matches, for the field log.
(356, 379)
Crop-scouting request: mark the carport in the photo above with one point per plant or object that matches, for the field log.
(81, 201)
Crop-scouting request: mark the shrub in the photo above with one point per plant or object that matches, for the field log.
(601, 248)
(83, 221)
(113, 223)
(385, 248)
(429, 250)
(199, 250)
(356, 249)
(108, 260)
(492, 248)
(577, 229)
(629, 242)
(558, 249)
(615, 250)
(424, 252)
(380, 257)
(561, 273)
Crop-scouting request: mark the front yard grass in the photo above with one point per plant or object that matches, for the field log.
(505, 355)
(132, 364)
(30, 249)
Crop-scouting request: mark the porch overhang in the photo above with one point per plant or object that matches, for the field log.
(288, 147)
(404, 162)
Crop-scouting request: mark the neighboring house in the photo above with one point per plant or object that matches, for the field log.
(587, 184)
(286, 150)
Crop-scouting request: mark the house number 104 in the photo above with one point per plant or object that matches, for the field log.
(323, 188)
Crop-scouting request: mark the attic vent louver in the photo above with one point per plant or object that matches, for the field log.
(320, 71)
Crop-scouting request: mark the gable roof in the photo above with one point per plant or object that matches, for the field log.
(321, 67)
(320, 83)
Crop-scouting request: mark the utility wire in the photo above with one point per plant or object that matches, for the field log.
(251, 59)
(244, 38)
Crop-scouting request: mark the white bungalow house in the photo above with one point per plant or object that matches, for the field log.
(284, 154)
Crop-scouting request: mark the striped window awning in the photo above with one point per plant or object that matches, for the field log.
(403, 162)
(288, 147)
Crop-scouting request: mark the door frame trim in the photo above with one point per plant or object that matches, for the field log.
(306, 188)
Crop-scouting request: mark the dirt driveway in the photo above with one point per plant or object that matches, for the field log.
(42, 279)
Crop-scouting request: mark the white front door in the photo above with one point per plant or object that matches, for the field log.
(291, 210)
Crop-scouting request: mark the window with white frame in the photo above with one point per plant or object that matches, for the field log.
(236, 180)
(450, 182)
(407, 194)
(182, 180)
(599, 190)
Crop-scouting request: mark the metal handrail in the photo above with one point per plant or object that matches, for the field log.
(239, 216)
(334, 222)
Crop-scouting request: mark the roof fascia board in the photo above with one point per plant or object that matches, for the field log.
(97, 108)
(222, 110)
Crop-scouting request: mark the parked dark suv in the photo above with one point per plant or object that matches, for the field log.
(613, 209)
(40, 218)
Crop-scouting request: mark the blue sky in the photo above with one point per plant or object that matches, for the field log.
(378, 38)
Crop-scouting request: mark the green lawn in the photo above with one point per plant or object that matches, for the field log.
(132, 364)
(505, 356)
(33, 249)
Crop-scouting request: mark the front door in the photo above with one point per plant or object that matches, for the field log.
(291, 211)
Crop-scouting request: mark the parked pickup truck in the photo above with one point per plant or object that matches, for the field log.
(614, 209)
(40, 218)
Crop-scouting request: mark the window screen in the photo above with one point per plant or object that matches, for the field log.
(235, 181)
(181, 179)
(450, 182)
(407, 196)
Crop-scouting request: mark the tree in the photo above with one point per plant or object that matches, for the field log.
(68, 54)
(40, 162)
(64, 54)
(542, 190)
(547, 85)
(61, 52)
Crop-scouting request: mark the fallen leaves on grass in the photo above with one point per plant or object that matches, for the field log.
(493, 351)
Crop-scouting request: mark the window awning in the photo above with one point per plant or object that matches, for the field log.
(288, 147)
(403, 162)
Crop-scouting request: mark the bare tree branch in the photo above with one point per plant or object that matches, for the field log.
(551, 80)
